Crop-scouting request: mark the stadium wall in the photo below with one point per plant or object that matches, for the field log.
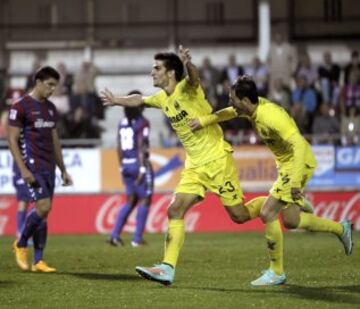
(93, 214)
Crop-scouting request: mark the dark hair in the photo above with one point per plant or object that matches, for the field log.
(45, 73)
(172, 62)
(133, 112)
(246, 87)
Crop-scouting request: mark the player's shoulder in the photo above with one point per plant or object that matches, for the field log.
(20, 102)
(50, 104)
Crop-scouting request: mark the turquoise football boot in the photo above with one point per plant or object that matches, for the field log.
(269, 278)
(346, 237)
(162, 273)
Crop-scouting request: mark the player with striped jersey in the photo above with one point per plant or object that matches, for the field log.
(36, 150)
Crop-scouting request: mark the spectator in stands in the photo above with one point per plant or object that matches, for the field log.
(306, 96)
(65, 86)
(300, 117)
(61, 98)
(325, 128)
(352, 67)
(30, 82)
(232, 70)
(282, 59)
(281, 95)
(80, 124)
(329, 77)
(84, 88)
(209, 77)
(350, 95)
(350, 110)
(258, 71)
(307, 69)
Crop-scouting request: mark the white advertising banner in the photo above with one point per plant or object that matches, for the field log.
(82, 164)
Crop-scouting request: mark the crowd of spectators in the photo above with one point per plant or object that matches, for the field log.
(323, 99)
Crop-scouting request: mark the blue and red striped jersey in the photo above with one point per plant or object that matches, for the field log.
(36, 121)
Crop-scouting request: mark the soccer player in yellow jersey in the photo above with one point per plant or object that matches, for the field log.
(209, 164)
(295, 163)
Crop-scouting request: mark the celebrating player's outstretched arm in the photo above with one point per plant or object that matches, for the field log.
(193, 74)
(108, 99)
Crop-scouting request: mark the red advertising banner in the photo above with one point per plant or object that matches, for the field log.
(91, 214)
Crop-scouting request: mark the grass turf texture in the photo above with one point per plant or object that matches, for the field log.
(214, 271)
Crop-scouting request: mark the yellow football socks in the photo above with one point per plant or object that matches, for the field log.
(174, 240)
(313, 223)
(274, 238)
(254, 206)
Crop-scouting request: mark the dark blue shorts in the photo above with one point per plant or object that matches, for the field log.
(43, 187)
(130, 173)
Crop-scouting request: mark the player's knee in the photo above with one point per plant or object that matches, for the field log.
(43, 209)
(175, 212)
(264, 216)
(290, 223)
(239, 219)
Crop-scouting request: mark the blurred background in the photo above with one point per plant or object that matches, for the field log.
(302, 54)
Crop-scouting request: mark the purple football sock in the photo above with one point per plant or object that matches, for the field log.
(121, 220)
(20, 221)
(142, 214)
(39, 238)
(31, 223)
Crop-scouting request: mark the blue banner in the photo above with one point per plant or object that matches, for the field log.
(338, 168)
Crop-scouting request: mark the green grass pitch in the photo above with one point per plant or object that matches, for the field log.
(214, 271)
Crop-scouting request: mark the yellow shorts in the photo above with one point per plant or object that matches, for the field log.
(281, 189)
(218, 176)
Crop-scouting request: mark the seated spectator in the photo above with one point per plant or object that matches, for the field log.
(350, 96)
(329, 77)
(231, 71)
(305, 96)
(299, 115)
(281, 95)
(258, 71)
(325, 128)
(209, 77)
(80, 125)
(307, 69)
(352, 67)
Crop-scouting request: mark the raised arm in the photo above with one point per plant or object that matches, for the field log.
(193, 77)
(108, 99)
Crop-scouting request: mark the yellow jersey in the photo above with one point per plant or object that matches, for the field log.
(278, 131)
(274, 126)
(186, 103)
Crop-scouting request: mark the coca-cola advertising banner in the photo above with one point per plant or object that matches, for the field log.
(92, 214)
